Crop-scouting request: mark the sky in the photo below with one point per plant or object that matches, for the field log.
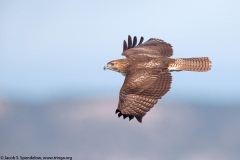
(56, 99)
(60, 47)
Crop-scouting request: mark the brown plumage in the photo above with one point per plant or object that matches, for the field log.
(147, 69)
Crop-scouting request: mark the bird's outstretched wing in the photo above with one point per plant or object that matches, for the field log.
(151, 48)
(140, 92)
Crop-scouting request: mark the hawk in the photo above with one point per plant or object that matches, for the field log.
(147, 69)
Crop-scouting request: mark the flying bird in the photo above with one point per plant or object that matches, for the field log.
(147, 69)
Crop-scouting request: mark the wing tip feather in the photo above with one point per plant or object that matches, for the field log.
(131, 43)
(139, 118)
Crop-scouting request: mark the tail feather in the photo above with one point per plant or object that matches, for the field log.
(202, 64)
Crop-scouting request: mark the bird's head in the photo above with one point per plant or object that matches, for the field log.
(119, 65)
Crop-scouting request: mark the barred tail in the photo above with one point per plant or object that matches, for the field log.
(202, 64)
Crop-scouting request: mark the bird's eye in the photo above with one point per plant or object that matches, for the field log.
(111, 63)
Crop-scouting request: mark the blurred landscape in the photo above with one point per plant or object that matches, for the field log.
(89, 129)
(56, 99)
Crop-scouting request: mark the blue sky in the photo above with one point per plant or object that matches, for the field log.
(60, 47)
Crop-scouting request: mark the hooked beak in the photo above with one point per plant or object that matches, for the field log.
(105, 67)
